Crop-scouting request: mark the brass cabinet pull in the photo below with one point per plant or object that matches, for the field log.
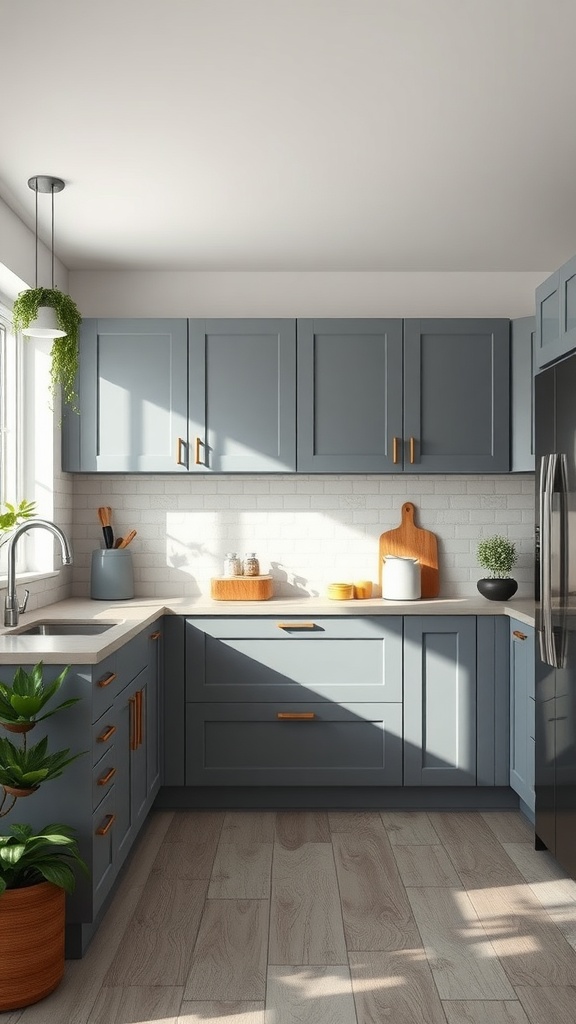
(521, 636)
(197, 444)
(105, 736)
(140, 719)
(295, 716)
(180, 446)
(132, 703)
(156, 635)
(107, 679)
(395, 459)
(105, 779)
(111, 818)
(296, 625)
(412, 446)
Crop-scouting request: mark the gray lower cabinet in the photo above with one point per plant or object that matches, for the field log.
(345, 700)
(456, 396)
(556, 315)
(106, 795)
(522, 714)
(349, 396)
(132, 398)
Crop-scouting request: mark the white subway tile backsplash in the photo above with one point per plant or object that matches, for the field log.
(308, 530)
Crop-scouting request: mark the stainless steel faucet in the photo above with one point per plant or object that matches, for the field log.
(12, 609)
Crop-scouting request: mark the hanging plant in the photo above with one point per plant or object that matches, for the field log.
(64, 352)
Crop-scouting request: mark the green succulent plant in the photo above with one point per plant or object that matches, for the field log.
(64, 352)
(27, 858)
(23, 701)
(498, 555)
(26, 767)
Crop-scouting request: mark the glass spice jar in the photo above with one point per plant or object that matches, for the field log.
(232, 564)
(250, 565)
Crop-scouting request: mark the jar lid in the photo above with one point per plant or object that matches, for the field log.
(231, 554)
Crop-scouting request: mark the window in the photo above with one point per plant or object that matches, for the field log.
(10, 411)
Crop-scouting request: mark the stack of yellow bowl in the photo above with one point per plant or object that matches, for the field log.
(340, 591)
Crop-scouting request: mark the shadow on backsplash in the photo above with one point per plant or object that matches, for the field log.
(287, 584)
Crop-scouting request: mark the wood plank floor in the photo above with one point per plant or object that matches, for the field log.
(315, 917)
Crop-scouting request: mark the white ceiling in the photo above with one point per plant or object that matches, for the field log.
(295, 134)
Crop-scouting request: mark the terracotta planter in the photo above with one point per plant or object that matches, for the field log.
(15, 791)
(32, 922)
(18, 726)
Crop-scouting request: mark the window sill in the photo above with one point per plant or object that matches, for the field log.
(27, 577)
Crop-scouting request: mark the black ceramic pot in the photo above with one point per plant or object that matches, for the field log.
(497, 590)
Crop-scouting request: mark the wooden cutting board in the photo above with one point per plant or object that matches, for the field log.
(409, 541)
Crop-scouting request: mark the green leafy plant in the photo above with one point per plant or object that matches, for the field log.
(26, 767)
(64, 352)
(16, 514)
(27, 858)
(22, 702)
(498, 555)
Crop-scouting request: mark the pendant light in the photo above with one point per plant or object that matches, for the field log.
(46, 324)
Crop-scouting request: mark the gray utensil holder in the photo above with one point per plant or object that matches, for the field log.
(112, 575)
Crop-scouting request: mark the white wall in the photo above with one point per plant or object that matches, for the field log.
(183, 294)
(17, 253)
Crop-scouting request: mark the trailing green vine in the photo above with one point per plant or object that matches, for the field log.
(64, 352)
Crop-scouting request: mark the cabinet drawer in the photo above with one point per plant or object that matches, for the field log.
(103, 776)
(265, 670)
(132, 658)
(241, 744)
(103, 870)
(299, 627)
(105, 685)
(103, 733)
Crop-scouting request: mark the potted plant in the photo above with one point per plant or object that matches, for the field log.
(36, 868)
(16, 514)
(498, 555)
(64, 352)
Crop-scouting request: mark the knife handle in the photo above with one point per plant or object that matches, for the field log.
(108, 536)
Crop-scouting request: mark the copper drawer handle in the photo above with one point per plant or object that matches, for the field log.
(132, 703)
(395, 459)
(104, 829)
(156, 635)
(295, 716)
(105, 779)
(521, 636)
(139, 722)
(180, 445)
(105, 736)
(197, 443)
(107, 679)
(412, 447)
(296, 625)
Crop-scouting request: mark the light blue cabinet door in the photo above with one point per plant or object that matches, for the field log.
(242, 387)
(133, 398)
(349, 396)
(440, 700)
(522, 711)
(522, 340)
(456, 396)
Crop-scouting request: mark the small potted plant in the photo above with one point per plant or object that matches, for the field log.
(64, 352)
(498, 555)
(36, 868)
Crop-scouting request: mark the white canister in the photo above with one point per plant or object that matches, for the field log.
(401, 578)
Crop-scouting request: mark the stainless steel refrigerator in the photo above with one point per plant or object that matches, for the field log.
(555, 444)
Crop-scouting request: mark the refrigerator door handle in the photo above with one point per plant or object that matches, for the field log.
(545, 636)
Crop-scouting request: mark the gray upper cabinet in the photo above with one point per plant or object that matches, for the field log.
(456, 396)
(242, 388)
(523, 331)
(440, 700)
(349, 395)
(133, 398)
(556, 315)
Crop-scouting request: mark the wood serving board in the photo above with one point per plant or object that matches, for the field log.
(409, 541)
(241, 588)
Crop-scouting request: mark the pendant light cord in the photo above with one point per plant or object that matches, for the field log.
(36, 264)
(52, 191)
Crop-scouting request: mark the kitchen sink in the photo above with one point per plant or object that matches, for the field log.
(59, 627)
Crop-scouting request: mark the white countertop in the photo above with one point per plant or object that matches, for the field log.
(132, 616)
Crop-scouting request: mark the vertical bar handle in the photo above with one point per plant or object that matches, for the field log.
(395, 459)
(412, 448)
(132, 709)
(197, 459)
(180, 449)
